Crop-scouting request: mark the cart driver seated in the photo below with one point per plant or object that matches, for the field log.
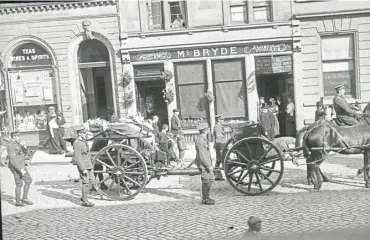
(346, 114)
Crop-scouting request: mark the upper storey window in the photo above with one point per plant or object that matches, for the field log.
(252, 11)
(262, 10)
(155, 14)
(177, 13)
(166, 15)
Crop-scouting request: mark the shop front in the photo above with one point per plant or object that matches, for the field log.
(225, 79)
(31, 87)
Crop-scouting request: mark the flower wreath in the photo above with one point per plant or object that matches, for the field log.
(126, 79)
(168, 94)
(128, 98)
(166, 75)
(209, 96)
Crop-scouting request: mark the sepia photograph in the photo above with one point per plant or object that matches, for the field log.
(185, 119)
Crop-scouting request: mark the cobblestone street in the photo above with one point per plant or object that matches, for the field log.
(171, 209)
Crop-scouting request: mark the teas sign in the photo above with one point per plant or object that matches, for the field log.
(30, 54)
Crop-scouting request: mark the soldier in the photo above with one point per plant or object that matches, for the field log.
(204, 162)
(346, 114)
(17, 151)
(175, 123)
(84, 164)
(220, 141)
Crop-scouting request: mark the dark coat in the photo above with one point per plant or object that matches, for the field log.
(156, 132)
(16, 153)
(346, 114)
(203, 156)
(320, 114)
(175, 124)
(268, 124)
(220, 138)
(81, 154)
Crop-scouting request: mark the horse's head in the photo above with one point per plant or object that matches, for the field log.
(367, 109)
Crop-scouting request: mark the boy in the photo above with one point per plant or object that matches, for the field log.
(181, 145)
(163, 144)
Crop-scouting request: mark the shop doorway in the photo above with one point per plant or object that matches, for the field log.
(95, 80)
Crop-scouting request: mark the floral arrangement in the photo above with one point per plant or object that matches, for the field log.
(128, 98)
(168, 94)
(166, 75)
(209, 96)
(126, 78)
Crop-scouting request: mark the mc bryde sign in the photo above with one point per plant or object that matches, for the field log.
(211, 52)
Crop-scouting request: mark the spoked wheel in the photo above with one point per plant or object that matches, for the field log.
(3, 156)
(121, 170)
(226, 148)
(253, 166)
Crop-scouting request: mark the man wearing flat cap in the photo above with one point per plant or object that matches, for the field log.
(175, 124)
(84, 164)
(17, 151)
(204, 162)
(220, 140)
(346, 114)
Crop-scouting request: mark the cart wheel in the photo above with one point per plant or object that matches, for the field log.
(121, 170)
(253, 166)
(3, 156)
(226, 148)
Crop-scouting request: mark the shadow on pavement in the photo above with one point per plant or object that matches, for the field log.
(9, 199)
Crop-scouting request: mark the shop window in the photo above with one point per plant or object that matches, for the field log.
(155, 14)
(338, 64)
(191, 86)
(262, 11)
(32, 89)
(238, 11)
(229, 88)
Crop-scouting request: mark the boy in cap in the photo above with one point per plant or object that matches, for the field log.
(163, 142)
(84, 164)
(220, 141)
(204, 162)
(175, 123)
(17, 151)
(345, 113)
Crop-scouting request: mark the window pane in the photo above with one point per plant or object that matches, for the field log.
(154, 14)
(261, 13)
(333, 79)
(259, 3)
(177, 12)
(237, 2)
(337, 47)
(230, 99)
(338, 66)
(238, 13)
(228, 70)
(192, 103)
(194, 72)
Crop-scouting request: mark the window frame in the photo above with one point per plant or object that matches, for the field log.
(185, 18)
(156, 26)
(267, 5)
(355, 71)
(246, 16)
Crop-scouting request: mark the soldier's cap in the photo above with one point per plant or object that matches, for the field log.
(220, 116)
(339, 87)
(14, 133)
(176, 110)
(80, 128)
(202, 126)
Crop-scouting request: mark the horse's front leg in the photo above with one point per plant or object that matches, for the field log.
(318, 183)
(324, 178)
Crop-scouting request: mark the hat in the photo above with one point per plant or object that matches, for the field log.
(80, 128)
(14, 132)
(221, 116)
(202, 126)
(176, 110)
(339, 87)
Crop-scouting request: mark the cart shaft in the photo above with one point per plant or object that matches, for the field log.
(189, 172)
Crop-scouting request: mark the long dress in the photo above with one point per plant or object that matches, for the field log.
(275, 110)
(56, 142)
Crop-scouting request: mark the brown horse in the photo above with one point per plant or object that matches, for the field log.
(323, 136)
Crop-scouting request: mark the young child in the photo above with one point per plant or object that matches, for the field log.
(181, 145)
(163, 142)
(171, 147)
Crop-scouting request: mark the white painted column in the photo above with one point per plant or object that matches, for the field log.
(132, 109)
(252, 94)
(168, 66)
(211, 105)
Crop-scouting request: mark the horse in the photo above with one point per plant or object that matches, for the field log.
(324, 136)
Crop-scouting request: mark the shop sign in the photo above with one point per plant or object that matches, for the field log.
(333, 79)
(30, 54)
(211, 52)
(269, 65)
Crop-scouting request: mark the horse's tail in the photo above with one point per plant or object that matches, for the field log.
(299, 137)
(305, 144)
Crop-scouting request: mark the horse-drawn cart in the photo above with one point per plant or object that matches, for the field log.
(124, 161)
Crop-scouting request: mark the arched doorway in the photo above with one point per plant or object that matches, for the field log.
(95, 80)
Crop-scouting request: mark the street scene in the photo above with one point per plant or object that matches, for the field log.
(185, 119)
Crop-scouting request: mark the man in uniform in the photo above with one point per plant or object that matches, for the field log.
(175, 123)
(17, 151)
(84, 164)
(220, 141)
(346, 114)
(204, 162)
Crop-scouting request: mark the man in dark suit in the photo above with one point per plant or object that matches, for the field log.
(346, 114)
(220, 140)
(204, 162)
(267, 122)
(175, 123)
(17, 151)
(84, 164)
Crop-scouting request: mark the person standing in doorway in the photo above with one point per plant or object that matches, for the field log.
(155, 128)
(54, 122)
(274, 108)
(84, 164)
(203, 161)
(267, 122)
(175, 123)
(290, 118)
(220, 140)
(17, 151)
(163, 142)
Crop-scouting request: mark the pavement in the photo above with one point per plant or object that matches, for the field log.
(170, 208)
